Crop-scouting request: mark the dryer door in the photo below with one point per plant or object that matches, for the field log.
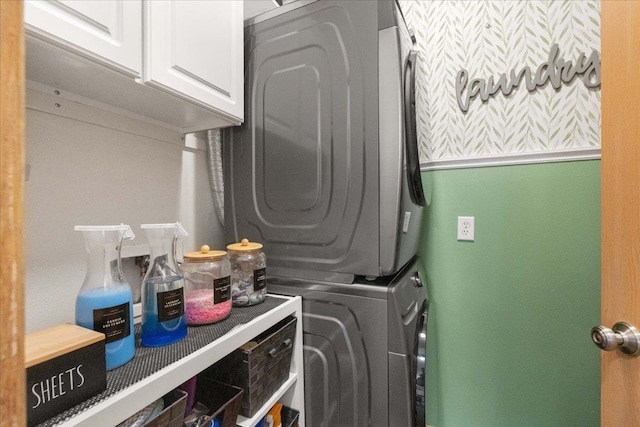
(414, 178)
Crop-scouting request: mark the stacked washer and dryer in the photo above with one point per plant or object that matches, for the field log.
(325, 173)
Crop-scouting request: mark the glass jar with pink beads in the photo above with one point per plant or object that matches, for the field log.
(207, 277)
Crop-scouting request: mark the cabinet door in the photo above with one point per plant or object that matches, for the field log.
(108, 31)
(194, 49)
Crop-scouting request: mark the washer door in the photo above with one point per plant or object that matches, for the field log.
(420, 360)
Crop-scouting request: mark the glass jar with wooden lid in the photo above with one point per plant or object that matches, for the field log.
(248, 273)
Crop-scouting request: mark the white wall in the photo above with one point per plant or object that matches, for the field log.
(82, 173)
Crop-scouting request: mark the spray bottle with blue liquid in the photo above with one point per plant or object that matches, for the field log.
(104, 302)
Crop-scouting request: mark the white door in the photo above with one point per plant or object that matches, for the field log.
(194, 49)
(107, 31)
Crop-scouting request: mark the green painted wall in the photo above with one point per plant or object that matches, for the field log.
(508, 339)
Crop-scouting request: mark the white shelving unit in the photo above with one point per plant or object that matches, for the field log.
(286, 387)
(122, 405)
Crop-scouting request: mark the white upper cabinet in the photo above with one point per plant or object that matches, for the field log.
(107, 31)
(177, 62)
(194, 48)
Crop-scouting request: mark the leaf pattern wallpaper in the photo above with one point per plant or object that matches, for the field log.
(488, 38)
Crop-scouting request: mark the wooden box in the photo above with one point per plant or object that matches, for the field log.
(65, 365)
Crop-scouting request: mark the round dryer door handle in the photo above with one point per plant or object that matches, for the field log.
(623, 336)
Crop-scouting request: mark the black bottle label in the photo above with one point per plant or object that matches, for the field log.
(259, 279)
(170, 304)
(113, 322)
(221, 289)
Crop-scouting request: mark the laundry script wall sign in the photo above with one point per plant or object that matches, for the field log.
(555, 71)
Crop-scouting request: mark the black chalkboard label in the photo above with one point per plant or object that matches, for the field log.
(170, 304)
(221, 289)
(113, 322)
(259, 279)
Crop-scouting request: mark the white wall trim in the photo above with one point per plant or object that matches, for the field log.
(514, 159)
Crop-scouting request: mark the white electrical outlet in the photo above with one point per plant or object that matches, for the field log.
(466, 228)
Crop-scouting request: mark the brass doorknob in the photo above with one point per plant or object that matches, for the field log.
(622, 336)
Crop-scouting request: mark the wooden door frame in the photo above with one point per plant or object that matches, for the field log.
(620, 32)
(12, 373)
